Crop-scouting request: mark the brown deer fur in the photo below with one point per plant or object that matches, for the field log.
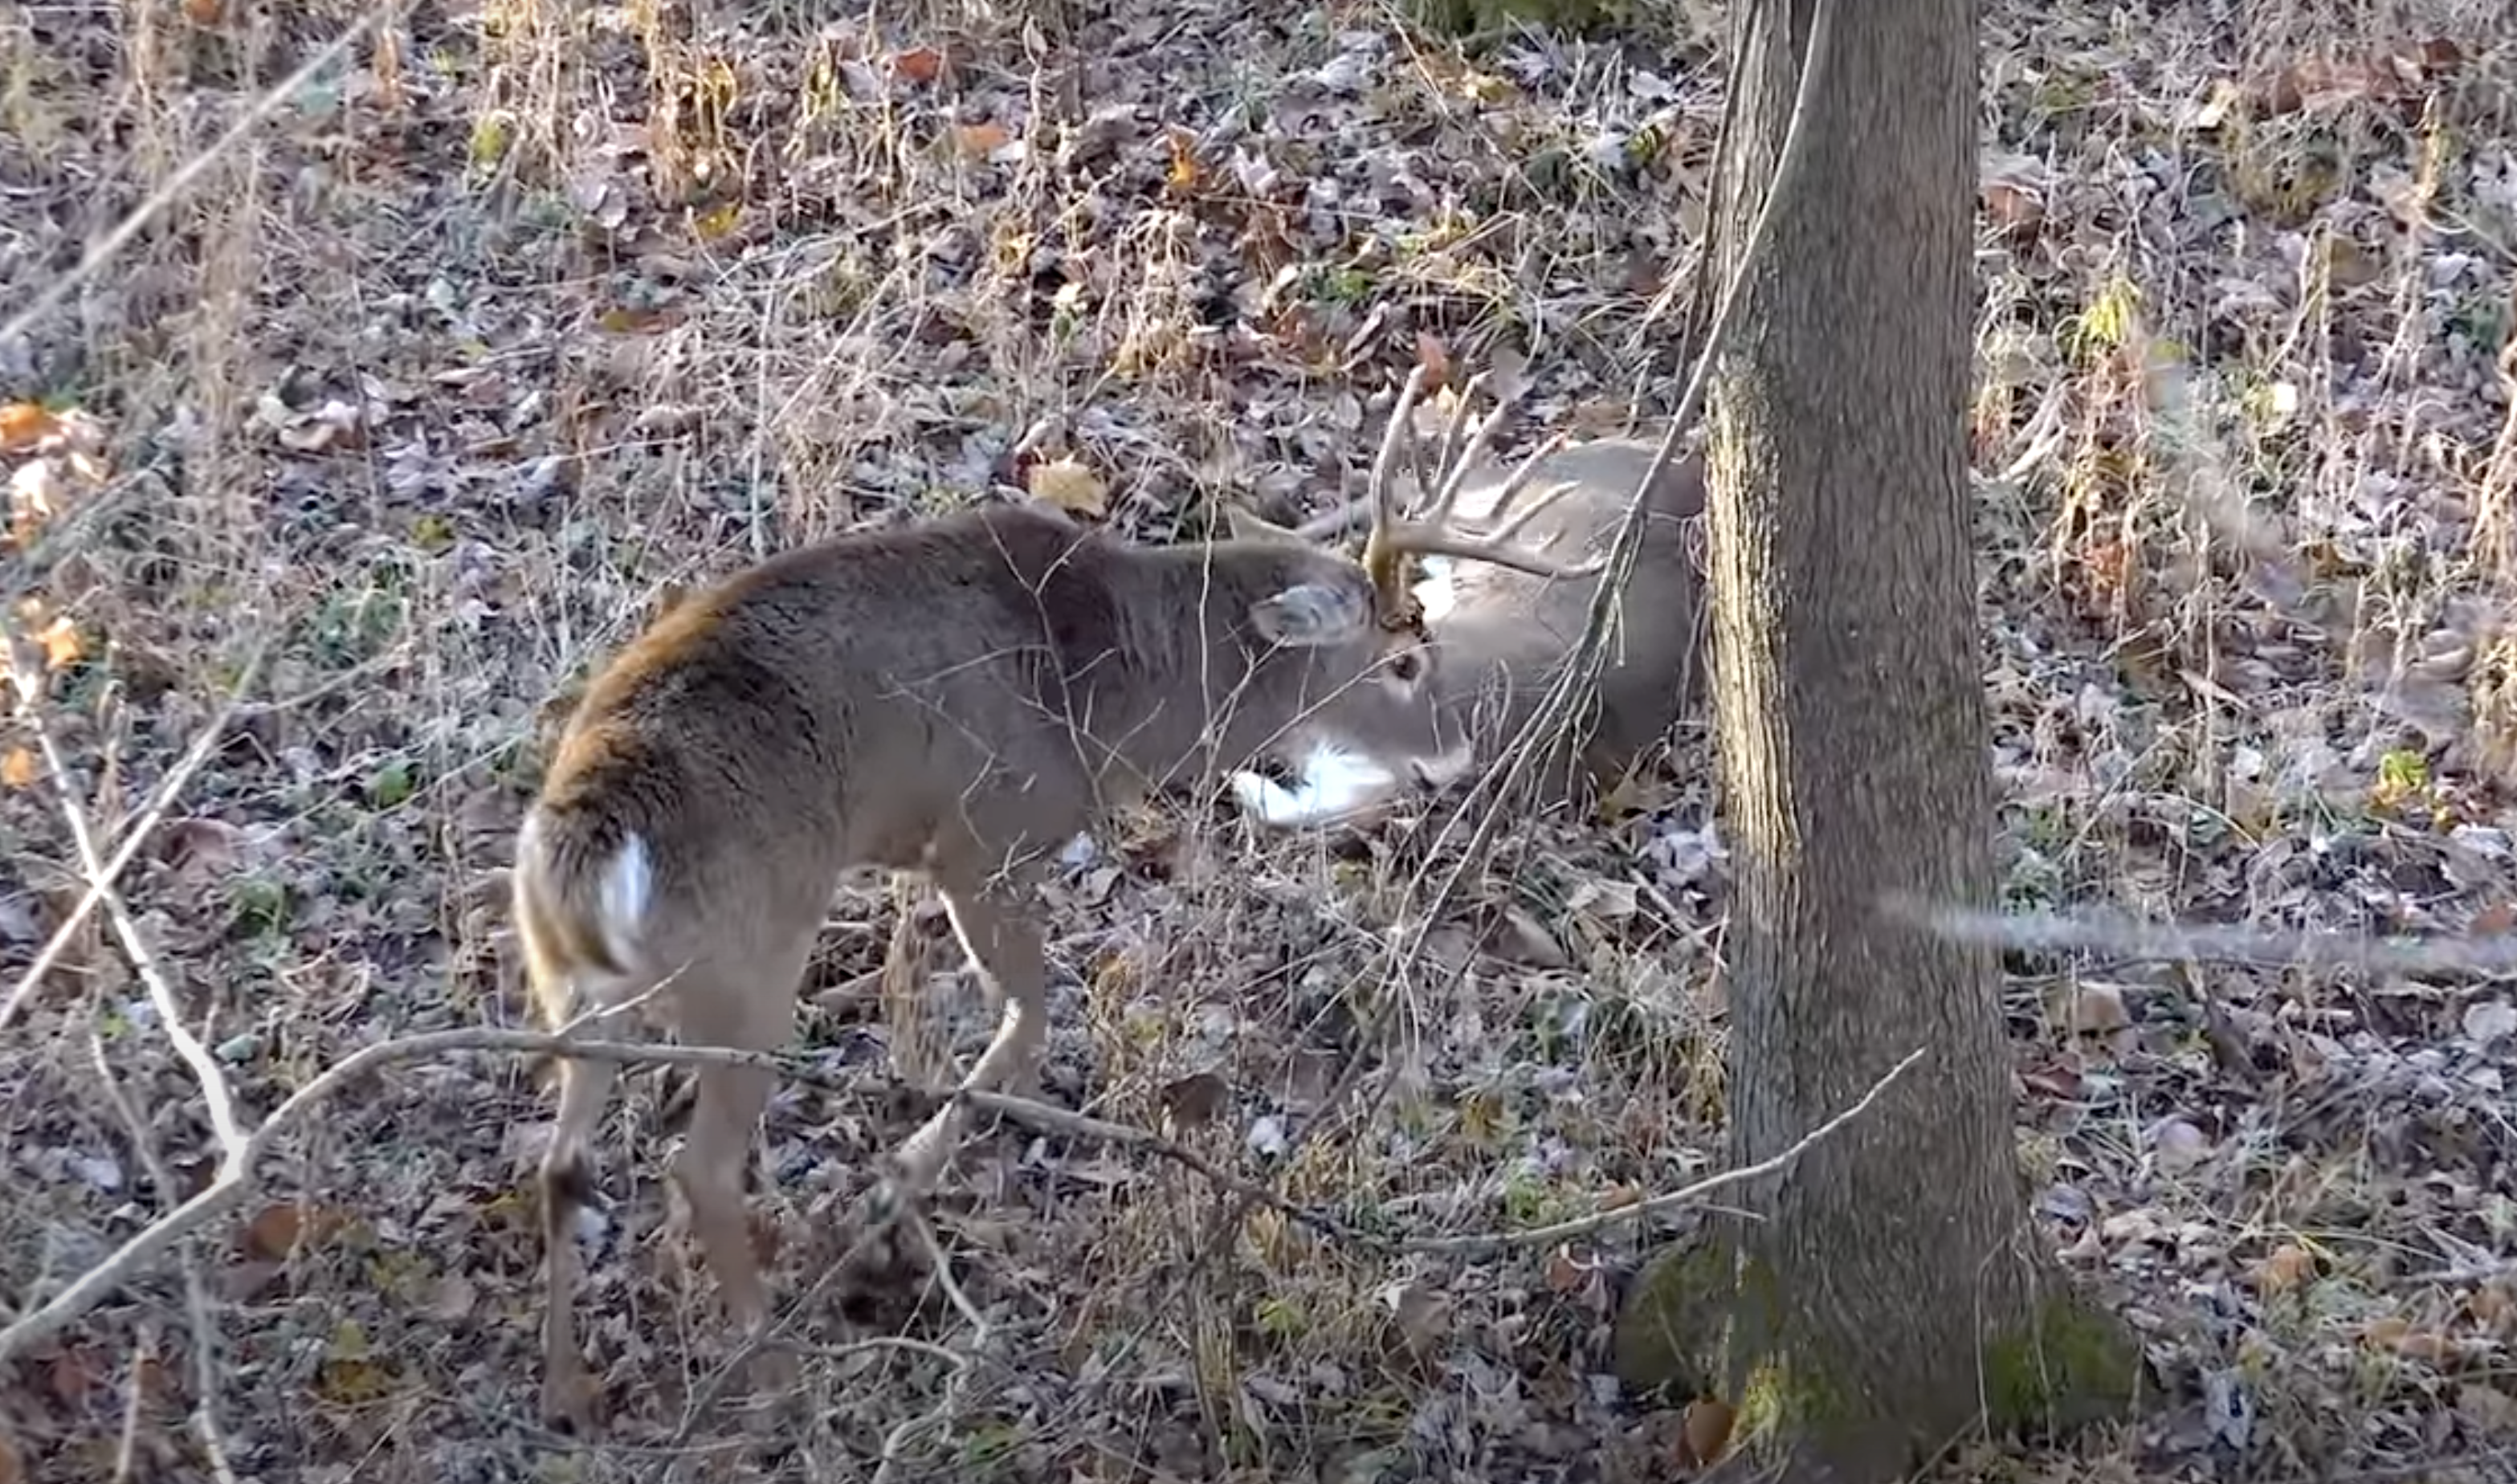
(961, 695)
(1509, 634)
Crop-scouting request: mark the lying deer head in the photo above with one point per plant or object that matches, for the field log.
(961, 695)
(1501, 632)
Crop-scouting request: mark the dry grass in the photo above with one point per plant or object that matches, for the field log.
(536, 308)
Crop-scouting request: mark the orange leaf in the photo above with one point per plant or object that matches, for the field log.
(272, 1232)
(17, 769)
(979, 141)
(62, 645)
(1183, 173)
(1705, 1432)
(23, 424)
(918, 64)
(1435, 361)
(2286, 1268)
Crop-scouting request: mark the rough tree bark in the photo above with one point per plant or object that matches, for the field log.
(1893, 1292)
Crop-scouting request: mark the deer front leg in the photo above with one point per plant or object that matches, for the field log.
(1008, 952)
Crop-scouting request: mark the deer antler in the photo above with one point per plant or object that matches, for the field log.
(1433, 530)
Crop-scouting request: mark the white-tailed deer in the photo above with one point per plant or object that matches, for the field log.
(1502, 634)
(961, 695)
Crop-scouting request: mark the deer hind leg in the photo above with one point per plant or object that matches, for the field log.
(753, 1010)
(567, 1184)
(989, 919)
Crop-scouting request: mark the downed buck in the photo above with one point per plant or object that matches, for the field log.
(961, 695)
(1502, 634)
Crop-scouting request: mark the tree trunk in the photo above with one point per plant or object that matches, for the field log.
(1883, 1299)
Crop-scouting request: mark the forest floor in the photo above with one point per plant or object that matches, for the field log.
(427, 386)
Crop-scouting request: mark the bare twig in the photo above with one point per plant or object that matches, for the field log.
(1061, 1121)
(896, 1441)
(2123, 936)
(166, 195)
(1552, 716)
(239, 1175)
(215, 1092)
(1697, 1194)
(197, 1293)
(100, 882)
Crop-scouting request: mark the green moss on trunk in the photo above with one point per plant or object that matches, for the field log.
(2073, 1366)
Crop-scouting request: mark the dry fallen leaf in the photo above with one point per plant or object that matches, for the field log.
(1705, 1433)
(1067, 483)
(2286, 1268)
(717, 222)
(1183, 173)
(273, 1231)
(918, 64)
(1435, 361)
(34, 498)
(1194, 1100)
(22, 424)
(17, 769)
(62, 645)
(982, 141)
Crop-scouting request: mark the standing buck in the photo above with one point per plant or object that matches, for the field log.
(961, 695)
(1502, 634)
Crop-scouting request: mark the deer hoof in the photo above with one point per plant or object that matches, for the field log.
(565, 1403)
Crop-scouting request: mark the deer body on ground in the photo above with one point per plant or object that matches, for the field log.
(960, 697)
(1502, 635)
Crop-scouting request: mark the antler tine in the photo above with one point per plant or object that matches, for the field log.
(1385, 559)
(1519, 480)
(1447, 453)
(1455, 471)
(1431, 532)
(1499, 552)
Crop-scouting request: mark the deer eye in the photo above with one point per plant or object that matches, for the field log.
(1406, 665)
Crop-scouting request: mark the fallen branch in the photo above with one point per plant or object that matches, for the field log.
(172, 191)
(1696, 1194)
(240, 1172)
(2123, 936)
(101, 882)
(1059, 1120)
(215, 1091)
(197, 1292)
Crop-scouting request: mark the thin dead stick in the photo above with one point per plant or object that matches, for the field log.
(1552, 716)
(172, 191)
(215, 1091)
(133, 838)
(239, 1173)
(2123, 936)
(876, 1211)
(896, 1441)
(1697, 1194)
(1040, 1116)
(1554, 713)
(197, 1295)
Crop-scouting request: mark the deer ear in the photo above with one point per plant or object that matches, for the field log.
(1309, 614)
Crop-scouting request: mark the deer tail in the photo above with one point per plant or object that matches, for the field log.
(582, 894)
